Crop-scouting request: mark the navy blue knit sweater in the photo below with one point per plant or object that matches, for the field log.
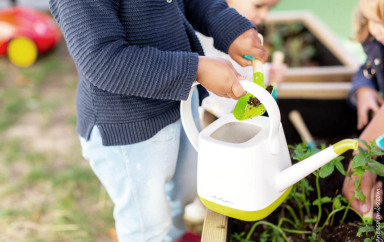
(138, 58)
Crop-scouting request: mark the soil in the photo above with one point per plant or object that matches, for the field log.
(254, 101)
(329, 186)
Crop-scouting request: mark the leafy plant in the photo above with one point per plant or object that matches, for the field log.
(296, 215)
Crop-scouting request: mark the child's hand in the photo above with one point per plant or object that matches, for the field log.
(220, 77)
(367, 99)
(367, 182)
(248, 43)
(276, 74)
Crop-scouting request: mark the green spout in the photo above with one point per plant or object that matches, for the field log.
(344, 145)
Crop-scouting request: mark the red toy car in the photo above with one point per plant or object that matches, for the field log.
(25, 33)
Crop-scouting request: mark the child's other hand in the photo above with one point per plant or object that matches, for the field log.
(248, 43)
(220, 77)
(368, 181)
(367, 99)
(276, 73)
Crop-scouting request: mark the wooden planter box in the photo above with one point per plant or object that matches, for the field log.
(318, 93)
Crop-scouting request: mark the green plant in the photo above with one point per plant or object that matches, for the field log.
(296, 216)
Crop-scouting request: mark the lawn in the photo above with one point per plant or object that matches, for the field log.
(47, 190)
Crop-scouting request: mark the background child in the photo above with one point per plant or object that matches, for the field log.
(136, 60)
(256, 11)
(365, 93)
(368, 83)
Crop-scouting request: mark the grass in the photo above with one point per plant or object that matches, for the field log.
(48, 191)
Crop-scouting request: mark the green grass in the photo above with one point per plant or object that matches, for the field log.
(48, 192)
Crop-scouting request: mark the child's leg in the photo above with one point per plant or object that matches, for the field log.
(134, 177)
(181, 189)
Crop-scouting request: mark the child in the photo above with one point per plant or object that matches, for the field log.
(256, 11)
(368, 83)
(136, 60)
(365, 93)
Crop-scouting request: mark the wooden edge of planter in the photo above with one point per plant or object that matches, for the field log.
(320, 30)
(314, 90)
(320, 74)
(215, 227)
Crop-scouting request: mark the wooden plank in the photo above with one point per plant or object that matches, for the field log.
(319, 74)
(215, 227)
(317, 90)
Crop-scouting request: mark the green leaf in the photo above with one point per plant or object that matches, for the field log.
(280, 239)
(360, 159)
(377, 168)
(360, 195)
(377, 151)
(326, 170)
(358, 171)
(340, 168)
(367, 229)
(367, 240)
(337, 203)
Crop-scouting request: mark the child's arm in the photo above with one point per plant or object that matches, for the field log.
(232, 33)
(364, 95)
(115, 59)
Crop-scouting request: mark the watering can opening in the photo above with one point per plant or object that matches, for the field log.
(235, 132)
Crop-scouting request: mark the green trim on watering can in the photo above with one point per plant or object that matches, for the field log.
(344, 145)
(246, 215)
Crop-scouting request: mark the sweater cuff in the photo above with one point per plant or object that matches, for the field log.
(228, 27)
(190, 76)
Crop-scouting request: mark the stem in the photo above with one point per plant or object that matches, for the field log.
(329, 216)
(305, 198)
(319, 198)
(281, 221)
(269, 224)
(300, 205)
(350, 201)
(294, 231)
(293, 214)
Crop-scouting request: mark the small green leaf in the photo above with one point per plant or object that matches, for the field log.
(358, 171)
(360, 159)
(340, 168)
(360, 195)
(326, 170)
(367, 229)
(336, 203)
(377, 168)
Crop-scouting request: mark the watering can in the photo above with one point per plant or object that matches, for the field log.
(244, 170)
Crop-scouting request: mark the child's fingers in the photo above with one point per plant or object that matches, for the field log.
(362, 118)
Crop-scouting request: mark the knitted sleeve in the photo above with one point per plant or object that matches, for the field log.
(214, 18)
(359, 80)
(97, 42)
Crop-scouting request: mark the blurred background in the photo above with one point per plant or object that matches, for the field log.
(47, 190)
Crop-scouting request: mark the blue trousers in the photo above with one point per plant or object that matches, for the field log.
(150, 182)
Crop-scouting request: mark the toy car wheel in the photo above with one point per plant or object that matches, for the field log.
(22, 51)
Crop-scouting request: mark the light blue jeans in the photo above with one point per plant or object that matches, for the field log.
(150, 182)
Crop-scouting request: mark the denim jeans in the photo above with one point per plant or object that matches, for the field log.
(150, 182)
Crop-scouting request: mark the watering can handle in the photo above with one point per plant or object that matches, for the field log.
(265, 98)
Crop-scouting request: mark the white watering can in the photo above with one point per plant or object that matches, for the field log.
(244, 169)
